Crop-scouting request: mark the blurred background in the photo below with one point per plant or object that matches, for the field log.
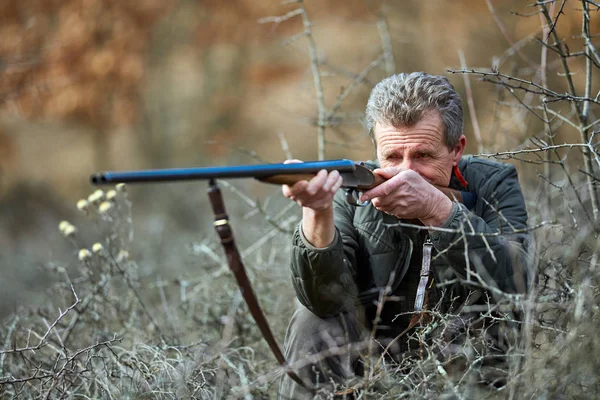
(90, 85)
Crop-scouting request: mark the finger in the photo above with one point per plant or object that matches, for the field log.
(293, 161)
(387, 173)
(286, 190)
(337, 184)
(317, 182)
(384, 189)
(298, 188)
(383, 203)
(332, 178)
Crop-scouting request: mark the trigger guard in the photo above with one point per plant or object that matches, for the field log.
(353, 198)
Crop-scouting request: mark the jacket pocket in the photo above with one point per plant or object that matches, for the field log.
(389, 268)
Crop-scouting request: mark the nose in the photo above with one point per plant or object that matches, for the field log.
(407, 163)
(412, 164)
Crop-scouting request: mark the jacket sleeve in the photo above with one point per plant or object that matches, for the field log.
(324, 278)
(495, 251)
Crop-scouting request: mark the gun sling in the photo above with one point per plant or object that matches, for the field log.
(236, 265)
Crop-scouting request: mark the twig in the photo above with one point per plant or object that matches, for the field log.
(43, 338)
(386, 42)
(56, 375)
(511, 154)
(383, 294)
(474, 234)
(544, 82)
(7, 341)
(585, 27)
(553, 25)
(537, 88)
(137, 295)
(250, 153)
(280, 19)
(225, 342)
(358, 79)
(507, 36)
(314, 62)
(257, 206)
(470, 103)
(285, 147)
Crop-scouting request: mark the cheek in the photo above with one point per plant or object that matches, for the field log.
(435, 172)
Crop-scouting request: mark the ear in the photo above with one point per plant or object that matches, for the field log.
(459, 148)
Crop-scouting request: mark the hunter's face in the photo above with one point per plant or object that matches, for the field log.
(420, 148)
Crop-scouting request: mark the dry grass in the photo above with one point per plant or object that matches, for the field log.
(110, 329)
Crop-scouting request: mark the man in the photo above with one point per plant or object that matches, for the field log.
(344, 256)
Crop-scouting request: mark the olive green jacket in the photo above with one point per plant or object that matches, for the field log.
(369, 252)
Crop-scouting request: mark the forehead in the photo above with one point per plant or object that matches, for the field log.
(428, 133)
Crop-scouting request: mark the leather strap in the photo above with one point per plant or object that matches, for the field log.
(421, 298)
(236, 265)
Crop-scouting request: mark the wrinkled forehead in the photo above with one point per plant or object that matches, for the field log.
(416, 117)
(409, 147)
(428, 131)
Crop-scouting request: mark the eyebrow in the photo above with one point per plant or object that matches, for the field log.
(392, 153)
(398, 151)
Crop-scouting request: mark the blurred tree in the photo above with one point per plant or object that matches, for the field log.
(77, 60)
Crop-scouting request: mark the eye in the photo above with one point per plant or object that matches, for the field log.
(423, 155)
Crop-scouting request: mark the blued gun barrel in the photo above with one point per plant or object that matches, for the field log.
(355, 175)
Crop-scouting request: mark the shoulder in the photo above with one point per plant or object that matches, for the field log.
(481, 166)
(481, 173)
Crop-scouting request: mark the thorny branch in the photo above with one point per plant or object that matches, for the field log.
(42, 342)
(525, 85)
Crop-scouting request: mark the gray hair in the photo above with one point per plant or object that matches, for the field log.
(401, 101)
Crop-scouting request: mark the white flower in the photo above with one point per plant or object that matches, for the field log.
(66, 228)
(121, 187)
(111, 195)
(97, 247)
(82, 205)
(123, 256)
(84, 254)
(96, 196)
(105, 206)
(69, 230)
(63, 225)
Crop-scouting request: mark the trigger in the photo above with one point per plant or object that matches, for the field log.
(353, 198)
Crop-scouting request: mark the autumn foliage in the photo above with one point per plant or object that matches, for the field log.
(79, 60)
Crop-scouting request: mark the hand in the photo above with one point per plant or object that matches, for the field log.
(405, 194)
(316, 194)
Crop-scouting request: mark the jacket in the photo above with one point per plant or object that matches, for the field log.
(369, 252)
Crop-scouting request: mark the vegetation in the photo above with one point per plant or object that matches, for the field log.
(112, 326)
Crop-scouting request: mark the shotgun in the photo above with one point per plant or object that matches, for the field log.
(357, 176)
